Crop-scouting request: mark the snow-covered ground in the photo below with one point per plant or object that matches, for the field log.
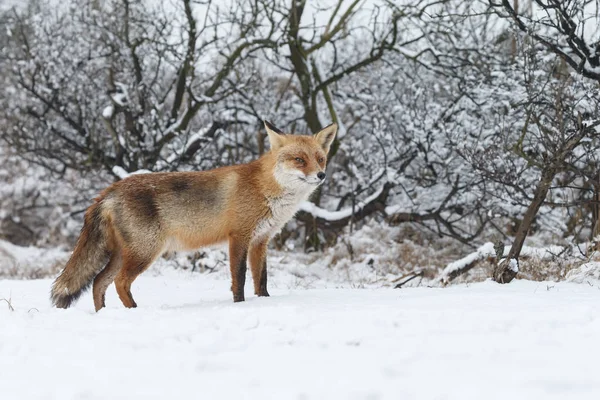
(187, 340)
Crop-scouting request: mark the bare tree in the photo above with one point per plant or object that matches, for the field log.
(561, 123)
(118, 84)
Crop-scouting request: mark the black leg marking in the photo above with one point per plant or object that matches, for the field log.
(262, 290)
(238, 295)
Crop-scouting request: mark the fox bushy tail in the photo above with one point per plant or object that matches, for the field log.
(88, 259)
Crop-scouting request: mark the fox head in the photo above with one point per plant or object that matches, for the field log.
(300, 159)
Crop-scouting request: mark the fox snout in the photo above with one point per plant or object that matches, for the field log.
(317, 178)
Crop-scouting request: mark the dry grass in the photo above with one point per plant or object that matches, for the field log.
(392, 255)
(532, 268)
(547, 270)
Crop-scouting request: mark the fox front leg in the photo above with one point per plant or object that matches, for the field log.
(238, 252)
(258, 266)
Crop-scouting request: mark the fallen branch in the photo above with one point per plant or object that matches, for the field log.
(410, 276)
(339, 219)
(465, 264)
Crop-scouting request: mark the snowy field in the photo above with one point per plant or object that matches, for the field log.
(187, 340)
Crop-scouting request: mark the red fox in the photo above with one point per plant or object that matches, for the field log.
(137, 219)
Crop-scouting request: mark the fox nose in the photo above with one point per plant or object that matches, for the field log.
(321, 175)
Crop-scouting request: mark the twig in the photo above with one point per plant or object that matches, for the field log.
(10, 307)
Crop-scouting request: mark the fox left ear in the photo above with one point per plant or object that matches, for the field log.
(276, 136)
(326, 135)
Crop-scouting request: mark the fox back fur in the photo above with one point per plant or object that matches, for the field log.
(139, 218)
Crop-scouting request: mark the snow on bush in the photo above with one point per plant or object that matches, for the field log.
(584, 273)
(30, 262)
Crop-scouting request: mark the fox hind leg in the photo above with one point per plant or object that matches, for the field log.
(105, 278)
(133, 266)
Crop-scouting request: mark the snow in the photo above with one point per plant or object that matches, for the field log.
(586, 273)
(122, 174)
(8, 4)
(543, 253)
(188, 340)
(108, 112)
(319, 212)
(121, 96)
(200, 135)
(29, 261)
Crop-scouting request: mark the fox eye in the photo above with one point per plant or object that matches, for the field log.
(300, 160)
(320, 160)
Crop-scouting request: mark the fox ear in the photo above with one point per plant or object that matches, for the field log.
(276, 136)
(326, 135)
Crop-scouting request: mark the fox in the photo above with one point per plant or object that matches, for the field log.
(137, 219)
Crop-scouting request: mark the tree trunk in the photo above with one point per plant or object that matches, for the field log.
(298, 59)
(513, 42)
(596, 214)
(504, 272)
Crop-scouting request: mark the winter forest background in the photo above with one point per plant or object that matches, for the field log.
(461, 123)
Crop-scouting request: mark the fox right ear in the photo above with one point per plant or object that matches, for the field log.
(326, 135)
(276, 136)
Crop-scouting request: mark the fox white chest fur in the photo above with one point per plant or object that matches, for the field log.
(282, 210)
(296, 189)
